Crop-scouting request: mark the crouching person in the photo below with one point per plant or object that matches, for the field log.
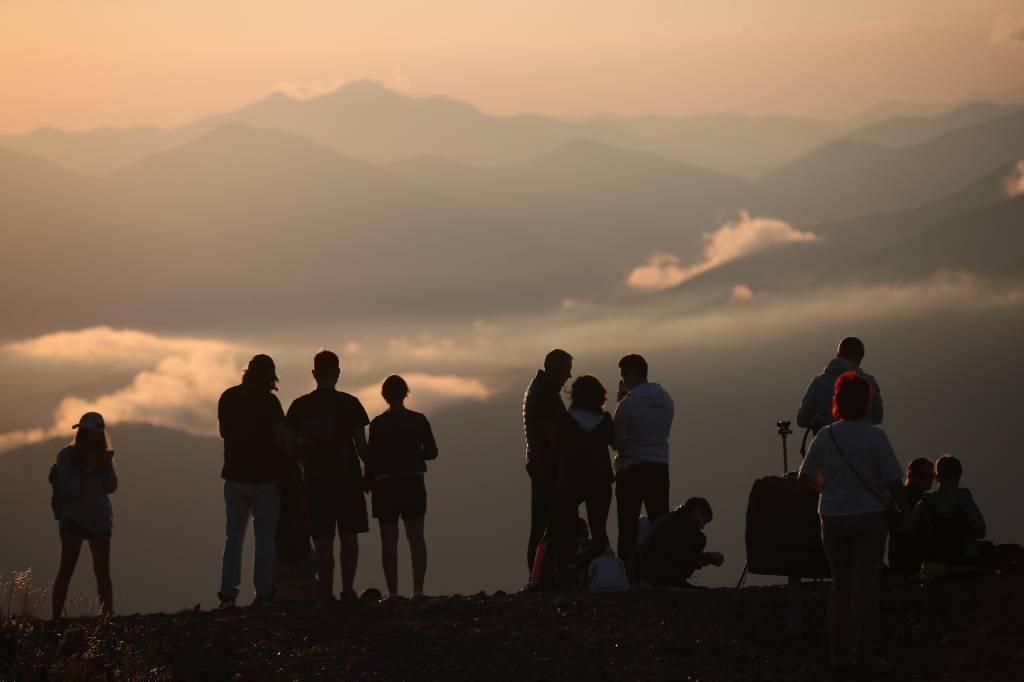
(674, 548)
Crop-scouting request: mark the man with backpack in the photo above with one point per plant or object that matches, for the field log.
(816, 407)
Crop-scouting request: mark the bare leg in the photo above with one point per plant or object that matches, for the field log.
(418, 551)
(349, 557)
(389, 554)
(325, 565)
(100, 550)
(70, 548)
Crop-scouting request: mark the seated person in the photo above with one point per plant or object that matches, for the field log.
(905, 548)
(674, 547)
(949, 519)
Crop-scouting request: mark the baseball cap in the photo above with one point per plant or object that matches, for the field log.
(91, 421)
(263, 365)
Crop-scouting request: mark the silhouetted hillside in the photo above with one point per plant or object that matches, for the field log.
(904, 131)
(847, 178)
(953, 631)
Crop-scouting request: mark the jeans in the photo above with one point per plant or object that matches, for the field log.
(641, 484)
(262, 502)
(854, 545)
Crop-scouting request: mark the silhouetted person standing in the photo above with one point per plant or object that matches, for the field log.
(326, 432)
(582, 436)
(643, 422)
(82, 480)
(252, 426)
(853, 464)
(542, 406)
(816, 406)
(401, 443)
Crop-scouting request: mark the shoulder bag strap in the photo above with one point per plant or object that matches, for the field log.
(874, 493)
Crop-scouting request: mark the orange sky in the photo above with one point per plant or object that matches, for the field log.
(121, 62)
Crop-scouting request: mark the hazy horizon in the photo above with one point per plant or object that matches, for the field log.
(122, 65)
(451, 242)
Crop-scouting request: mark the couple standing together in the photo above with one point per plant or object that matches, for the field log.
(567, 451)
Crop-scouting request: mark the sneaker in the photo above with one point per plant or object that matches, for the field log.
(348, 596)
(227, 601)
(326, 600)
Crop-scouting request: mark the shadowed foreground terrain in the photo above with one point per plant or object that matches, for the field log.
(951, 631)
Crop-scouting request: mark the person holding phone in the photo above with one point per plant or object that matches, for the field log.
(83, 478)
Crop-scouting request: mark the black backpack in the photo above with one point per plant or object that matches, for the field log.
(784, 531)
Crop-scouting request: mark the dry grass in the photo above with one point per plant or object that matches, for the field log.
(21, 599)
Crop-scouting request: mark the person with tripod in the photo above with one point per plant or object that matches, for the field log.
(816, 407)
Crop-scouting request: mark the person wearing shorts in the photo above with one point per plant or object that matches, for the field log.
(83, 478)
(325, 432)
(401, 442)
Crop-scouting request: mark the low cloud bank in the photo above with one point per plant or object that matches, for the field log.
(178, 386)
(1015, 183)
(427, 391)
(732, 240)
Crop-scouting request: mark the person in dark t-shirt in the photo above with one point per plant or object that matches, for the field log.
(252, 426)
(401, 442)
(325, 431)
(674, 547)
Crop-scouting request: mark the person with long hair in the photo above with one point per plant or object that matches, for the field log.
(401, 444)
(252, 426)
(83, 478)
(852, 463)
(583, 436)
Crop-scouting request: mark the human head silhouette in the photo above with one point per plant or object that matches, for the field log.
(394, 390)
(852, 349)
(326, 369)
(920, 474)
(588, 393)
(852, 398)
(634, 370)
(261, 373)
(558, 366)
(699, 510)
(948, 471)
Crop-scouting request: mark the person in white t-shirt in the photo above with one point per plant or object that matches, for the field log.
(853, 464)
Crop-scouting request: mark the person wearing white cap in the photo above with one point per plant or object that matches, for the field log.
(82, 480)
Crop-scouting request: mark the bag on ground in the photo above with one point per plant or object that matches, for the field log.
(784, 531)
(607, 573)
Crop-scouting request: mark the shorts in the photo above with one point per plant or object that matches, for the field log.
(399, 496)
(69, 528)
(337, 506)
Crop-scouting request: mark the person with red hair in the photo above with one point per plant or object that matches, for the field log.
(852, 463)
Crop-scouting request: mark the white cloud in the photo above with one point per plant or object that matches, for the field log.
(732, 240)
(741, 293)
(178, 386)
(1015, 182)
(310, 89)
(1008, 30)
(428, 391)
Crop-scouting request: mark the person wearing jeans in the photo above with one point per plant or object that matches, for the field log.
(261, 502)
(643, 421)
(252, 426)
(852, 464)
